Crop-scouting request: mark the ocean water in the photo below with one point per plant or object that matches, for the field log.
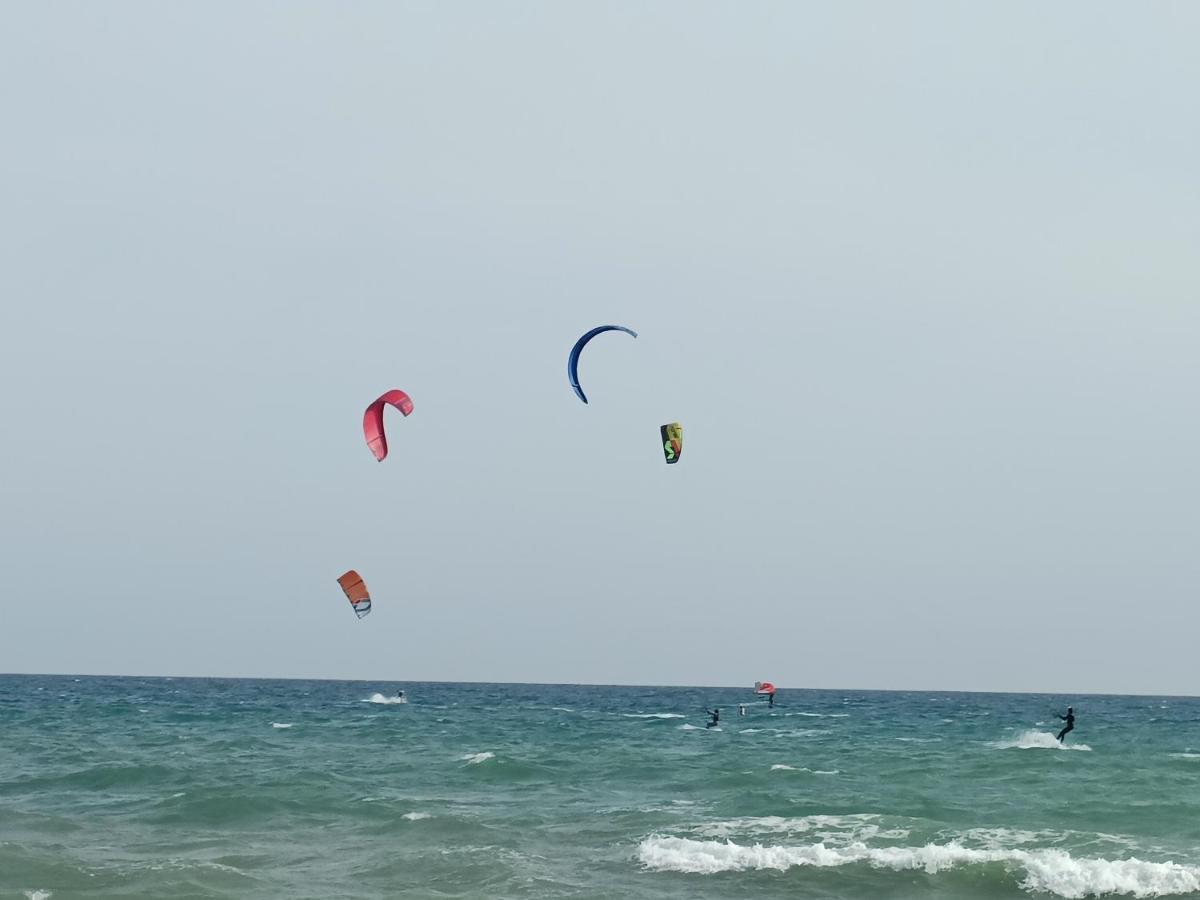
(155, 788)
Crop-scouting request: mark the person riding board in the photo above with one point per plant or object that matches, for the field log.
(716, 718)
(1069, 718)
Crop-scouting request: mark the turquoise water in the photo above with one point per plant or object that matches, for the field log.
(146, 787)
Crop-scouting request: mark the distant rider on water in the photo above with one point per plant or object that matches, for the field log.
(1069, 718)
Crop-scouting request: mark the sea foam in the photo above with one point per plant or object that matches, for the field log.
(781, 767)
(1041, 871)
(831, 829)
(653, 716)
(1037, 740)
(474, 759)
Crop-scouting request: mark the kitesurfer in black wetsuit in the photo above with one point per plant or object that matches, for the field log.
(771, 700)
(716, 718)
(1069, 718)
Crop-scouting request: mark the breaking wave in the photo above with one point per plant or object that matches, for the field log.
(1039, 871)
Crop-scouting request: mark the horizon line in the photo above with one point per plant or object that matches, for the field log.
(597, 684)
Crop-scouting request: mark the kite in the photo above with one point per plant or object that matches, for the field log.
(356, 592)
(573, 359)
(373, 420)
(672, 441)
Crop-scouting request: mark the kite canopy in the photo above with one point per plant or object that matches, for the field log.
(764, 687)
(573, 359)
(672, 441)
(373, 420)
(356, 592)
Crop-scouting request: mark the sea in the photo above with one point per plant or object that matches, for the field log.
(228, 788)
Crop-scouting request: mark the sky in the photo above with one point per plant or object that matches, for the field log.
(919, 280)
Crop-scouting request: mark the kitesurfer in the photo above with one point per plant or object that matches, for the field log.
(771, 700)
(399, 695)
(716, 718)
(1069, 718)
(741, 709)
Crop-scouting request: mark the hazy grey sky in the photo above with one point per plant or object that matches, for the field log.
(920, 280)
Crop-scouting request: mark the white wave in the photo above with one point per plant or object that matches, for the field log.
(750, 731)
(416, 816)
(1002, 838)
(814, 715)
(654, 716)
(1037, 740)
(39, 895)
(916, 740)
(379, 698)
(474, 759)
(782, 768)
(1042, 871)
(281, 724)
(686, 727)
(838, 830)
(1184, 755)
(562, 709)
